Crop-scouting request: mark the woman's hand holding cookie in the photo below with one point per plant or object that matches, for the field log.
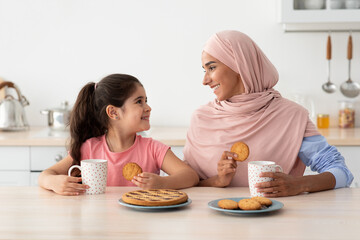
(283, 185)
(226, 168)
(148, 180)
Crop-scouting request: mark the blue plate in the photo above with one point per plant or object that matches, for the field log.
(276, 205)
(121, 202)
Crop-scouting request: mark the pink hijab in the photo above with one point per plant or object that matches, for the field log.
(273, 127)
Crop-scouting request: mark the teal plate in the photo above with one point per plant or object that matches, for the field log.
(276, 205)
(121, 202)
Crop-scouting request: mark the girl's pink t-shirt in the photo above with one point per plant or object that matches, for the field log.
(146, 152)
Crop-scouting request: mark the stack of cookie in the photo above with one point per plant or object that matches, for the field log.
(255, 203)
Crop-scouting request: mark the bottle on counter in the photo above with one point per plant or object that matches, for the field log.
(323, 121)
(346, 114)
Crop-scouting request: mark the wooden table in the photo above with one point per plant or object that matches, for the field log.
(35, 213)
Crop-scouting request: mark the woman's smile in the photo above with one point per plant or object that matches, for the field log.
(216, 87)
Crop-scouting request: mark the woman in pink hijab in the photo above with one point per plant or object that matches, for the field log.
(247, 108)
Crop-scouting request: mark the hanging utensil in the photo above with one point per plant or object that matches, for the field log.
(349, 88)
(328, 87)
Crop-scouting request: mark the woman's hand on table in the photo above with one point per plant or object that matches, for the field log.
(69, 186)
(226, 169)
(282, 185)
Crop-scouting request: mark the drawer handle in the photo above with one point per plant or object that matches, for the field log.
(58, 157)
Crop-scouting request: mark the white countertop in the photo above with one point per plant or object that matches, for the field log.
(172, 136)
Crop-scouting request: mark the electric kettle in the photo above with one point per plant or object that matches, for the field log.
(12, 114)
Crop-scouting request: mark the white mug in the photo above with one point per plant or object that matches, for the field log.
(254, 170)
(93, 174)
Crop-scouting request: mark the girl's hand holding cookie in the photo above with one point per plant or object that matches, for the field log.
(226, 168)
(148, 180)
(69, 186)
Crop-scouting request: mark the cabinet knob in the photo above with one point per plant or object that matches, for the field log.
(58, 157)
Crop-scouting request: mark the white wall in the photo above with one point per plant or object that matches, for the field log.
(51, 48)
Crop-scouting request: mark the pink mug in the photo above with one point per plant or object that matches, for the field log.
(93, 174)
(254, 170)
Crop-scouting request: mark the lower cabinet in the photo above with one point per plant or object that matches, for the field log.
(14, 178)
(42, 158)
(14, 158)
(14, 166)
(20, 166)
(34, 178)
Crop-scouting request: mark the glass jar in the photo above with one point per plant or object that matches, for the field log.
(323, 121)
(346, 114)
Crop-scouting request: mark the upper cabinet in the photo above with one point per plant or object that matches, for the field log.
(322, 15)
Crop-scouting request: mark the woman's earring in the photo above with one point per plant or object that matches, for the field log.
(117, 118)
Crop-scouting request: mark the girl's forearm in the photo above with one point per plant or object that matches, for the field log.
(182, 179)
(45, 179)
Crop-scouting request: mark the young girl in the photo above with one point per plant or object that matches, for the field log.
(103, 125)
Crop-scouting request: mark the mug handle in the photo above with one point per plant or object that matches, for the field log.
(278, 168)
(71, 168)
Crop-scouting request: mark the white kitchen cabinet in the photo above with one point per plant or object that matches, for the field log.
(44, 157)
(14, 166)
(295, 16)
(14, 178)
(34, 178)
(14, 158)
(20, 165)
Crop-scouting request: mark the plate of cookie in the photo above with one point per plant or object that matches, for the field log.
(155, 199)
(244, 205)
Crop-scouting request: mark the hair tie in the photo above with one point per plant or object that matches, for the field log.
(95, 86)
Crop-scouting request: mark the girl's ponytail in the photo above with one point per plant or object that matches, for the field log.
(84, 123)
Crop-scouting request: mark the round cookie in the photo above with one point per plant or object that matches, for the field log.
(241, 149)
(249, 204)
(228, 204)
(263, 201)
(130, 170)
